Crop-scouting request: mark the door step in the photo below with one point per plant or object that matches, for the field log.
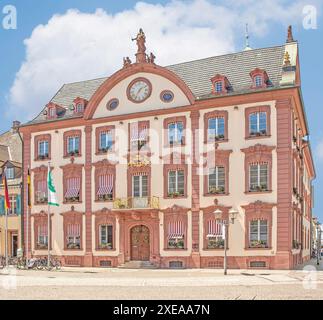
(137, 265)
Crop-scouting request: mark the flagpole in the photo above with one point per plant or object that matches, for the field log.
(27, 227)
(48, 223)
(6, 238)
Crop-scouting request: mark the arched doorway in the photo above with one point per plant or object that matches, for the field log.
(140, 243)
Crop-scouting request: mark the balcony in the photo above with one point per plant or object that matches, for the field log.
(136, 203)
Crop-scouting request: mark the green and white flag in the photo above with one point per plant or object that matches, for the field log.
(52, 201)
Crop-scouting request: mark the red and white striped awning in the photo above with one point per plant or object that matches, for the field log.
(42, 230)
(73, 230)
(138, 134)
(175, 229)
(134, 132)
(105, 184)
(215, 228)
(73, 187)
(143, 134)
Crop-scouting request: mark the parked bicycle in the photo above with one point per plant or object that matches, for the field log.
(42, 263)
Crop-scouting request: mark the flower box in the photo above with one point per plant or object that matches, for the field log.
(214, 190)
(258, 244)
(105, 246)
(215, 243)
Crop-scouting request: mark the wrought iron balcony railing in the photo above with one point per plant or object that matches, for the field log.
(136, 203)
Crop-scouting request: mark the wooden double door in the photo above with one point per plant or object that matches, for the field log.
(140, 243)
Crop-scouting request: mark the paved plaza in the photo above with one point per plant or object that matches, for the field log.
(94, 283)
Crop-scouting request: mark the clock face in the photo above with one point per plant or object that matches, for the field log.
(139, 90)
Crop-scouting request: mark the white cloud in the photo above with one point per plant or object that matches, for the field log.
(319, 150)
(78, 46)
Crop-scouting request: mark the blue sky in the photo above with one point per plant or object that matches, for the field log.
(32, 71)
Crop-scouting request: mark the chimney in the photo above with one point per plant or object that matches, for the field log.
(15, 125)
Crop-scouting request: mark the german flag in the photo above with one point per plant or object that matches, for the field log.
(6, 193)
(29, 188)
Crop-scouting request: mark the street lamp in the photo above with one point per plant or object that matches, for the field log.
(225, 223)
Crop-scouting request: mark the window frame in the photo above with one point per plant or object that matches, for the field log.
(258, 210)
(37, 140)
(215, 115)
(258, 154)
(98, 132)
(258, 234)
(169, 121)
(216, 168)
(258, 187)
(257, 110)
(67, 136)
(10, 170)
(179, 194)
(105, 245)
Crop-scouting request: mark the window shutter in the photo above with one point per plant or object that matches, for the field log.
(2, 210)
(18, 204)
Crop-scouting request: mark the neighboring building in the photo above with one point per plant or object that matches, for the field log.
(316, 226)
(11, 159)
(142, 159)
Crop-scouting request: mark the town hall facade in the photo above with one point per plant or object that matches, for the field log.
(156, 164)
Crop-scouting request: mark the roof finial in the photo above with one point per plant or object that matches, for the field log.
(290, 35)
(247, 47)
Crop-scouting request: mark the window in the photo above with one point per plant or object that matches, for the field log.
(13, 204)
(216, 129)
(43, 150)
(105, 141)
(52, 112)
(258, 177)
(258, 234)
(106, 236)
(73, 190)
(10, 173)
(139, 135)
(42, 238)
(258, 123)
(140, 186)
(258, 168)
(258, 81)
(176, 183)
(259, 78)
(41, 192)
(175, 235)
(105, 188)
(215, 234)
(79, 108)
(218, 86)
(216, 180)
(73, 236)
(175, 133)
(73, 145)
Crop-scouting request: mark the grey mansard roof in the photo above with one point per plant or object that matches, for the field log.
(196, 74)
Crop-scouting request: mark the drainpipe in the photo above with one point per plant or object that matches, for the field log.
(22, 195)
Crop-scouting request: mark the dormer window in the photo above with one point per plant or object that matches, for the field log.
(258, 81)
(10, 173)
(218, 87)
(79, 108)
(220, 84)
(52, 112)
(79, 105)
(259, 78)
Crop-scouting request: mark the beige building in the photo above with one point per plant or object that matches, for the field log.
(150, 161)
(11, 159)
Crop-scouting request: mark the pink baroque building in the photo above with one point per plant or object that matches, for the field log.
(151, 160)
